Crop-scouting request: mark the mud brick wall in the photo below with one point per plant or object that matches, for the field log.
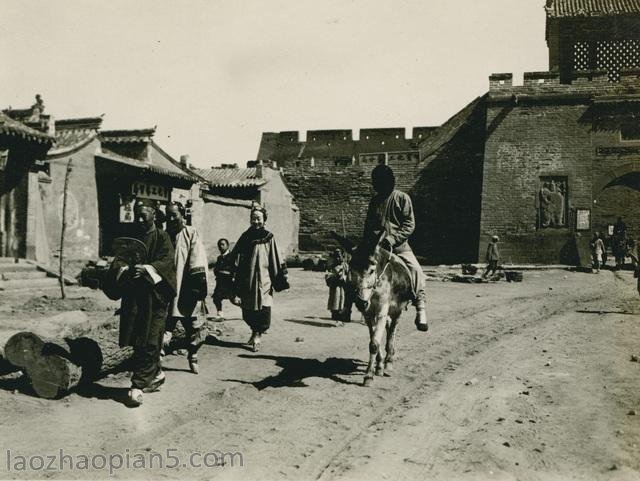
(445, 189)
(524, 143)
(329, 199)
(549, 129)
(82, 234)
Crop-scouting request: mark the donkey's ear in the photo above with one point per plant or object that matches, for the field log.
(345, 243)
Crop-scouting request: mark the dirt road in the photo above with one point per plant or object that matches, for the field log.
(514, 381)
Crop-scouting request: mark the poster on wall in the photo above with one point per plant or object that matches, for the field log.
(583, 219)
(126, 208)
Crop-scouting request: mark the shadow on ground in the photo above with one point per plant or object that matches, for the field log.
(214, 341)
(98, 391)
(314, 323)
(295, 370)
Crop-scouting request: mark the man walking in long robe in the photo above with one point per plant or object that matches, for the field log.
(390, 214)
(191, 283)
(146, 289)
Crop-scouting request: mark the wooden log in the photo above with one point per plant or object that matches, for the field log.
(5, 366)
(56, 366)
(48, 373)
(56, 326)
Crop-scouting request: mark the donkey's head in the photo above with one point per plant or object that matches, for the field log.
(363, 270)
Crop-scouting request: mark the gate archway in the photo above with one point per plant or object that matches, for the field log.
(617, 194)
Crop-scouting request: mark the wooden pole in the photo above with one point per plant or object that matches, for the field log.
(64, 226)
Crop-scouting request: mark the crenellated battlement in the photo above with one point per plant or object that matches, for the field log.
(592, 82)
(292, 137)
(329, 136)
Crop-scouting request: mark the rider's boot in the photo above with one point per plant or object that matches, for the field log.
(421, 317)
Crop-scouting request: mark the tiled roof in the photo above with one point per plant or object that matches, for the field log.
(139, 164)
(218, 199)
(162, 160)
(133, 135)
(247, 177)
(11, 127)
(19, 114)
(591, 8)
(82, 123)
(74, 133)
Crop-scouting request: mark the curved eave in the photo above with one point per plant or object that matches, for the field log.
(137, 169)
(19, 134)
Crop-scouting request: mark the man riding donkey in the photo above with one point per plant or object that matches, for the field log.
(390, 218)
(384, 274)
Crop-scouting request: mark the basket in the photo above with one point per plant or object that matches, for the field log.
(513, 276)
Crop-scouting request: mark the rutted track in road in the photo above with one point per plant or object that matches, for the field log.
(429, 384)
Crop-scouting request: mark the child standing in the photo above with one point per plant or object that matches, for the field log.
(224, 276)
(597, 251)
(336, 278)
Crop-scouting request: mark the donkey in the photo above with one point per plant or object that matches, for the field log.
(380, 287)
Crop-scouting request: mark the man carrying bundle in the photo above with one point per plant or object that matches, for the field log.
(143, 275)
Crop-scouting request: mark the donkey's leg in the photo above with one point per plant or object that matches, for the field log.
(391, 335)
(376, 332)
(382, 326)
(368, 377)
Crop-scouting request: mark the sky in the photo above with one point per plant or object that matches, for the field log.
(212, 75)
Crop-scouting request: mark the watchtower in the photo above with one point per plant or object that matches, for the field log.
(593, 35)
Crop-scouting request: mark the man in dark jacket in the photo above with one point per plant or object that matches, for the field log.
(146, 288)
(390, 214)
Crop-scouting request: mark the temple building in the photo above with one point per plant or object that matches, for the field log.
(23, 146)
(542, 165)
(110, 169)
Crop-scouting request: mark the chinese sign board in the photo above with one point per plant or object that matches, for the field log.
(143, 190)
(126, 209)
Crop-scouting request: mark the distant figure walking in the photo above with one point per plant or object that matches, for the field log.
(224, 277)
(492, 257)
(260, 271)
(336, 279)
(635, 258)
(597, 251)
(619, 246)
